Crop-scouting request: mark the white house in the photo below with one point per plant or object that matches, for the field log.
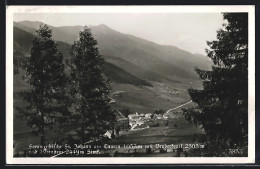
(108, 134)
(132, 116)
(159, 116)
(139, 122)
(148, 115)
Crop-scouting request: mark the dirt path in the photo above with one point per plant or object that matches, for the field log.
(178, 106)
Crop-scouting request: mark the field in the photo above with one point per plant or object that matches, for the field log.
(178, 132)
(163, 135)
(148, 99)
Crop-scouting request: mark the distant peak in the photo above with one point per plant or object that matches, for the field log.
(103, 28)
(103, 25)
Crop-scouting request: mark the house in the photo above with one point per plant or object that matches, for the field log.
(148, 115)
(141, 118)
(159, 116)
(147, 118)
(132, 116)
(132, 123)
(166, 116)
(139, 122)
(108, 134)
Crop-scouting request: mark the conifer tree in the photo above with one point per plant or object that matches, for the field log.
(89, 89)
(223, 103)
(45, 76)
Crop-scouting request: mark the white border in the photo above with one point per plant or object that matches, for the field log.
(10, 10)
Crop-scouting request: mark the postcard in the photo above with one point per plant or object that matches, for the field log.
(130, 84)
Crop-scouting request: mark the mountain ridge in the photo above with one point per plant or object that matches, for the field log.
(80, 27)
(166, 61)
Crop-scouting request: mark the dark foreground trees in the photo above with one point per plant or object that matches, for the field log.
(45, 73)
(85, 107)
(223, 103)
(89, 89)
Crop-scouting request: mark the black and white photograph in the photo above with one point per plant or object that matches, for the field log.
(130, 84)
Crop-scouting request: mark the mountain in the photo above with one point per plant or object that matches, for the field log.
(148, 60)
(118, 75)
(167, 61)
(136, 70)
(67, 34)
(23, 42)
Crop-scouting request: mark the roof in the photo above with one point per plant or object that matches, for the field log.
(132, 115)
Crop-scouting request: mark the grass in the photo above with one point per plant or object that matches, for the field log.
(170, 134)
(183, 134)
(148, 99)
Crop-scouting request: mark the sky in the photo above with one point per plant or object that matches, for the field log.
(187, 31)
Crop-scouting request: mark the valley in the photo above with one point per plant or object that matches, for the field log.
(138, 99)
(144, 78)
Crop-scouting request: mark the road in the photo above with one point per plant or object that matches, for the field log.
(178, 106)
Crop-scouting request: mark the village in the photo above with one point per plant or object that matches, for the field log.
(156, 128)
(139, 121)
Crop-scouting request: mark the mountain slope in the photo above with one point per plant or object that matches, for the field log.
(23, 43)
(67, 34)
(118, 75)
(167, 61)
(163, 61)
(136, 70)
